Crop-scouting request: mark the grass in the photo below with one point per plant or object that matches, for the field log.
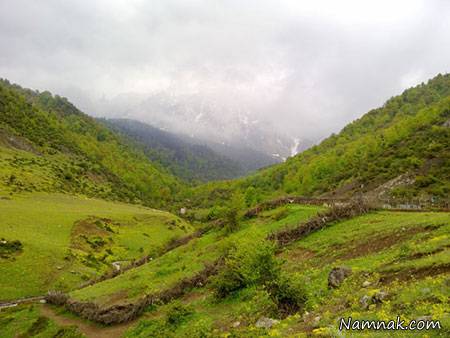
(421, 241)
(26, 321)
(186, 260)
(400, 253)
(44, 224)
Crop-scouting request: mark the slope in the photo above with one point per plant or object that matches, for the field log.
(65, 240)
(191, 162)
(47, 144)
(400, 151)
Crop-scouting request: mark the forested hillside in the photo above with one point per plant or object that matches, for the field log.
(47, 144)
(400, 150)
(191, 162)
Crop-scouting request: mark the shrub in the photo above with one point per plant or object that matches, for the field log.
(247, 263)
(9, 247)
(281, 213)
(288, 293)
(177, 313)
(234, 212)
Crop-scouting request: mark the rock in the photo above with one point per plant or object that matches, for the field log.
(59, 267)
(316, 320)
(366, 284)
(266, 323)
(236, 324)
(42, 301)
(365, 302)
(425, 290)
(337, 276)
(305, 315)
(379, 297)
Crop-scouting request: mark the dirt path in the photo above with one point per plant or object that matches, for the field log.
(90, 330)
(15, 302)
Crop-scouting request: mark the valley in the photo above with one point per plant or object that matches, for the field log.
(119, 235)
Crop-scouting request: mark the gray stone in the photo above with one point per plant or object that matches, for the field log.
(337, 276)
(236, 324)
(366, 284)
(316, 320)
(379, 297)
(266, 323)
(365, 302)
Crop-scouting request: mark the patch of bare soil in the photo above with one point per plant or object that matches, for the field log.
(90, 330)
(299, 254)
(193, 296)
(415, 273)
(419, 255)
(378, 243)
(116, 298)
(91, 233)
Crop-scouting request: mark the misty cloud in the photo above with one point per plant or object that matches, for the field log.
(302, 68)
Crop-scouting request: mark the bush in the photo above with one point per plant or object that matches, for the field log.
(246, 264)
(280, 213)
(288, 293)
(9, 247)
(177, 313)
(234, 212)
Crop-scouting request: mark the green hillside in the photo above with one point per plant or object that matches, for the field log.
(400, 150)
(288, 270)
(190, 162)
(66, 241)
(47, 144)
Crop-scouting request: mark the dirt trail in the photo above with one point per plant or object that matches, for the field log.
(90, 330)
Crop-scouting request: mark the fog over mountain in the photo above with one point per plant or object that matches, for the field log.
(272, 75)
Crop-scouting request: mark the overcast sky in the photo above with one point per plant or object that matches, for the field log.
(307, 67)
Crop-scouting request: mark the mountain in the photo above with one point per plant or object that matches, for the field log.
(189, 161)
(248, 159)
(47, 144)
(209, 119)
(289, 267)
(400, 150)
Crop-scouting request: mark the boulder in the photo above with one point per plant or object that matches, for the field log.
(337, 276)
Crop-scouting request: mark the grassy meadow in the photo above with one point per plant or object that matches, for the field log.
(60, 246)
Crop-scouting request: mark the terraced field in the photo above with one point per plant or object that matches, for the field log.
(399, 264)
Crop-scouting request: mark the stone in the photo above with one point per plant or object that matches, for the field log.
(365, 302)
(337, 276)
(266, 323)
(379, 297)
(366, 284)
(316, 320)
(236, 324)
